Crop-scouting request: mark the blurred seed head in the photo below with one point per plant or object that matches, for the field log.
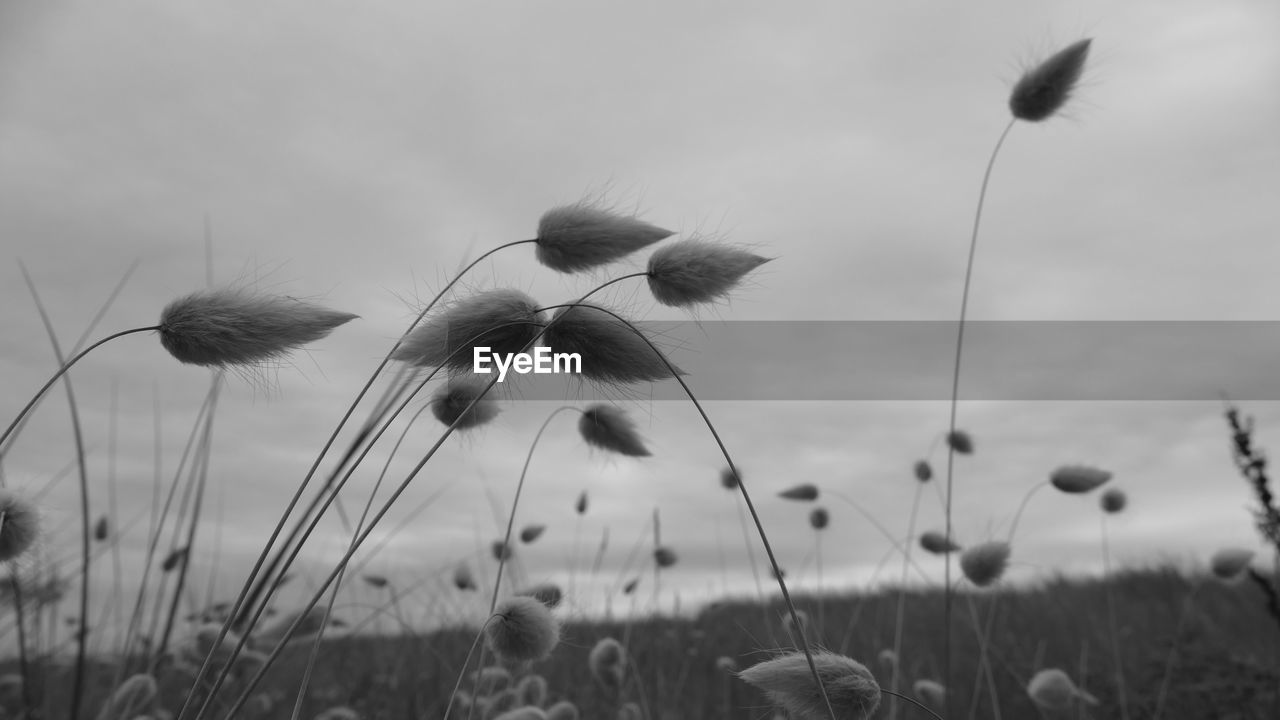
(501, 551)
(789, 626)
(505, 321)
(630, 711)
(612, 352)
(961, 442)
(609, 428)
(888, 659)
(531, 533)
(532, 690)
(1078, 479)
(547, 593)
(931, 692)
(463, 579)
(490, 679)
(923, 471)
(984, 564)
(607, 662)
(585, 235)
(724, 663)
(102, 529)
(819, 518)
(563, 710)
(937, 543)
(1043, 89)
(698, 271)
(580, 506)
(463, 403)
(339, 712)
(1230, 563)
(786, 679)
(522, 629)
(19, 525)
(804, 492)
(665, 557)
(527, 712)
(218, 328)
(1052, 689)
(135, 696)
(728, 480)
(1114, 500)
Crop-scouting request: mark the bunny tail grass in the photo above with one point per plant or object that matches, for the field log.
(852, 691)
(583, 235)
(1042, 90)
(231, 326)
(698, 271)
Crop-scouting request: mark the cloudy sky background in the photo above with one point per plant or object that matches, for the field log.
(359, 158)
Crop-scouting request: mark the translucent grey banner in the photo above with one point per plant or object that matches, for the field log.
(1003, 360)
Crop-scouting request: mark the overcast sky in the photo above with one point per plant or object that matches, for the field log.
(358, 157)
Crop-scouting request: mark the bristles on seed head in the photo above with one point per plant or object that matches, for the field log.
(505, 321)
(608, 428)
(584, 236)
(1229, 563)
(931, 693)
(937, 543)
(960, 441)
(19, 525)
(611, 351)
(1078, 479)
(984, 564)
(563, 710)
(463, 403)
(698, 271)
(1052, 689)
(803, 492)
(522, 629)
(787, 680)
(218, 328)
(607, 662)
(819, 518)
(1044, 89)
(1113, 500)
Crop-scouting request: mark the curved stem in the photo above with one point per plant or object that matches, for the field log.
(1022, 506)
(955, 395)
(902, 596)
(62, 371)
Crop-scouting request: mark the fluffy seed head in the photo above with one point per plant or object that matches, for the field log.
(724, 663)
(546, 593)
(1052, 689)
(463, 579)
(1113, 500)
(937, 543)
(923, 471)
(607, 662)
(451, 401)
(665, 557)
(19, 525)
(1078, 479)
(134, 697)
(728, 480)
(102, 529)
(1045, 88)
(1228, 563)
(984, 564)
(961, 442)
(531, 532)
(931, 693)
(611, 351)
(608, 428)
(786, 679)
(698, 271)
(225, 327)
(503, 320)
(501, 551)
(172, 560)
(819, 518)
(532, 690)
(563, 710)
(804, 492)
(584, 236)
(580, 506)
(522, 629)
(888, 658)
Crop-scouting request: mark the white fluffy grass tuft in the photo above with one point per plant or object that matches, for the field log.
(984, 564)
(220, 328)
(698, 271)
(505, 321)
(585, 235)
(787, 680)
(522, 629)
